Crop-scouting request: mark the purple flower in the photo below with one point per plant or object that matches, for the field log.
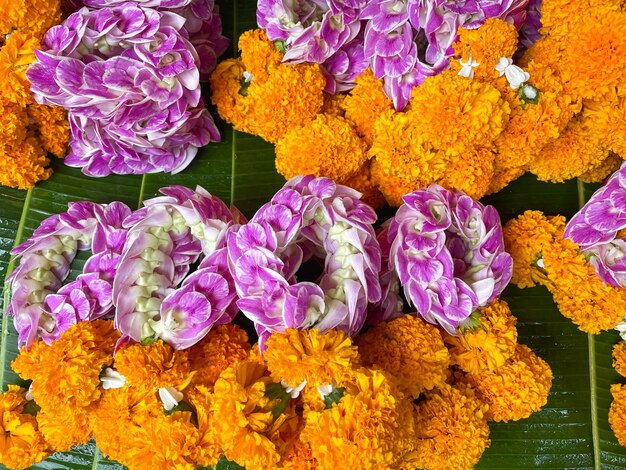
(129, 77)
(448, 253)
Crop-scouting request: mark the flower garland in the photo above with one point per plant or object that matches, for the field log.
(143, 339)
(129, 75)
(28, 131)
(394, 96)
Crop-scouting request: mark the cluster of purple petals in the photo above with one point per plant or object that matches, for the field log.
(448, 252)
(596, 226)
(403, 41)
(41, 305)
(129, 75)
(309, 218)
(166, 237)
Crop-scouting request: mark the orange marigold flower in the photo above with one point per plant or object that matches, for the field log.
(259, 54)
(225, 94)
(326, 146)
(451, 428)
(221, 348)
(333, 105)
(486, 45)
(363, 182)
(455, 113)
(524, 238)
(391, 185)
(617, 412)
(21, 442)
(619, 358)
(24, 164)
(124, 408)
(53, 128)
(244, 423)
(319, 358)
(64, 425)
(32, 16)
(367, 429)
(67, 372)
(365, 102)
(156, 365)
(501, 179)
(470, 171)
(607, 119)
(16, 55)
(579, 144)
(602, 170)
(517, 389)
(207, 452)
(490, 344)
(410, 350)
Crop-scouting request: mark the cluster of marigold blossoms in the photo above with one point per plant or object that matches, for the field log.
(29, 132)
(354, 99)
(143, 340)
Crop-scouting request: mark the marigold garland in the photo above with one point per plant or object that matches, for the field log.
(617, 412)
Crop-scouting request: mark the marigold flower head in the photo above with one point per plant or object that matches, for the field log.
(516, 389)
(206, 452)
(617, 412)
(365, 102)
(24, 167)
(225, 87)
(124, 408)
(602, 170)
(471, 172)
(21, 442)
(363, 182)
(308, 355)
(67, 372)
(32, 16)
(410, 350)
(455, 113)
(326, 146)
(619, 358)
(494, 39)
(64, 425)
(156, 365)
(53, 128)
(451, 428)
(244, 423)
(607, 119)
(367, 429)
(524, 239)
(221, 348)
(17, 53)
(501, 179)
(489, 345)
(259, 54)
(333, 105)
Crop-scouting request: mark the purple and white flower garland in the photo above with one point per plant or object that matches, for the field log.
(444, 249)
(595, 229)
(129, 76)
(403, 41)
(448, 252)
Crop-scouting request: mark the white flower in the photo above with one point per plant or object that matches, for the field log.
(324, 390)
(29, 393)
(621, 328)
(112, 379)
(293, 391)
(515, 75)
(170, 397)
(467, 69)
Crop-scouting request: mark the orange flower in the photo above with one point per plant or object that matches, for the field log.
(15, 56)
(364, 183)
(52, 127)
(619, 358)
(617, 412)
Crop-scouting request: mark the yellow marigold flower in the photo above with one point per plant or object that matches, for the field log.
(619, 358)
(68, 371)
(515, 390)
(24, 164)
(156, 365)
(32, 16)
(455, 113)
(578, 291)
(365, 102)
(333, 105)
(258, 54)
(451, 428)
(392, 186)
(363, 182)
(490, 344)
(486, 45)
(206, 452)
(603, 170)
(366, 429)
(297, 455)
(607, 119)
(221, 348)
(124, 408)
(53, 128)
(64, 425)
(470, 171)
(524, 238)
(410, 350)
(501, 179)
(21, 442)
(244, 425)
(16, 55)
(319, 358)
(326, 146)
(617, 412)
(225, 87)
(579, 145)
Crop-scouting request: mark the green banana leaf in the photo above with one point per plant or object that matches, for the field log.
(571, 431)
